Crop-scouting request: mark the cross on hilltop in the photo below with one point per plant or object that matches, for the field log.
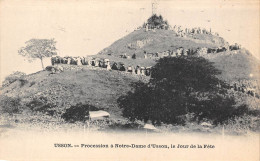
(154, 6)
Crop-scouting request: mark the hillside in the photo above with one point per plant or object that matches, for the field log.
(235, 65)
(238, 65)
(158, 41)
(97, 87)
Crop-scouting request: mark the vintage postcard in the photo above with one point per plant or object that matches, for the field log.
(126, 80)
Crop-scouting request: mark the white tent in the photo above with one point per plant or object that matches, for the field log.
(149, 127)
(96, 115)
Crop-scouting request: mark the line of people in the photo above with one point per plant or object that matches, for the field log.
(181, 51)
(102, 63)
(183, 32)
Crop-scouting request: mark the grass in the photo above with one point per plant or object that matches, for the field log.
(100, 88)
(236, 65)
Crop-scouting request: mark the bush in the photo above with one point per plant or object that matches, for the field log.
(41, 105)
(13, 77)
(79, 112)
(54, 69)
(10, 105)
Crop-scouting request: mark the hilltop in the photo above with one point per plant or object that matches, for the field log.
(158, 41)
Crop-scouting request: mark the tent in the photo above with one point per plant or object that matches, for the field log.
(98, 115)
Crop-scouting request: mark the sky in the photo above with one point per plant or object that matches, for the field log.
(86, 27)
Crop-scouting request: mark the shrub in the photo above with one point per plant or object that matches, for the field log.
(10, 105)
(41, 104)
(54, 69)
(49, 68)
(79, 112)
(13, 77)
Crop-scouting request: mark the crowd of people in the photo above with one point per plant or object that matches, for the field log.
(102, 63)
(181, 51)
(183, 32)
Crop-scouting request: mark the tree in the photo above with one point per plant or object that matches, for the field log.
(186, 75)
(39, 49)
(181, 86)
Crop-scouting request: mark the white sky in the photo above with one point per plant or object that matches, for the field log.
(86, 27)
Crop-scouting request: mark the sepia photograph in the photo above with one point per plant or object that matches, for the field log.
(126, 80)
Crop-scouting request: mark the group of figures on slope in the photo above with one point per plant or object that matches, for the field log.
(101, 63)
(182, 32)
(185, 52)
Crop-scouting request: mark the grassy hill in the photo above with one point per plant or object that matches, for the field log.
(97, 87)
(159, 41)
(236, 65)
